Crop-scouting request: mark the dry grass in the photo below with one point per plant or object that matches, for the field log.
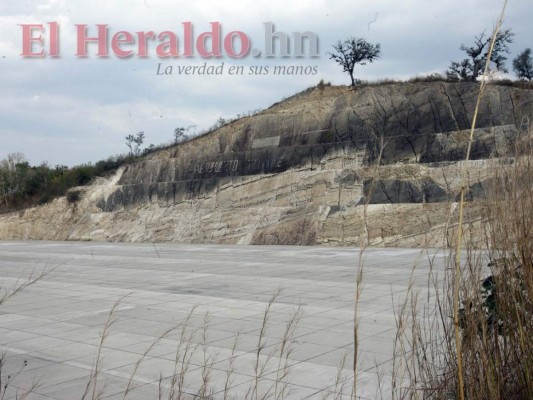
(191, 343)
(495, 310)
(6, 294)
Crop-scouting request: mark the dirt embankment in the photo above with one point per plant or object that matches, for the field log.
(301, 171)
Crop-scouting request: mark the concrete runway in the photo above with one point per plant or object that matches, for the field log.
(51, 331)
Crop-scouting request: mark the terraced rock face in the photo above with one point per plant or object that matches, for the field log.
(302, 172)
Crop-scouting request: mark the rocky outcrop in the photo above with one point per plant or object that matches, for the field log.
(304, 172)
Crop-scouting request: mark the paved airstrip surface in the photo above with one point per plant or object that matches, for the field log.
(50, 332)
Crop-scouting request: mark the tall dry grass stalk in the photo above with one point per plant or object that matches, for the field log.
(19, 286)
(461, 209)
(6, 382)
(472, 337)
(359, 284)
(505, 305)
(192, 349)
(491, 308)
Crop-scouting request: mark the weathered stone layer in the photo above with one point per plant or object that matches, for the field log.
(302, 172)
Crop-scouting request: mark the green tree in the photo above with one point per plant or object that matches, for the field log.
(134, 142)
(13, 171)
(353, 51)
(180, 135)
(523, 65)
(469, 69)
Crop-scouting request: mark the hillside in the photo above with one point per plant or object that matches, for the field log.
(301, 172)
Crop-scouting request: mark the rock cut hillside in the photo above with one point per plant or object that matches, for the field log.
(302, 171)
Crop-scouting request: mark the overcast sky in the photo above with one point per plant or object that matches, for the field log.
(70, 110)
